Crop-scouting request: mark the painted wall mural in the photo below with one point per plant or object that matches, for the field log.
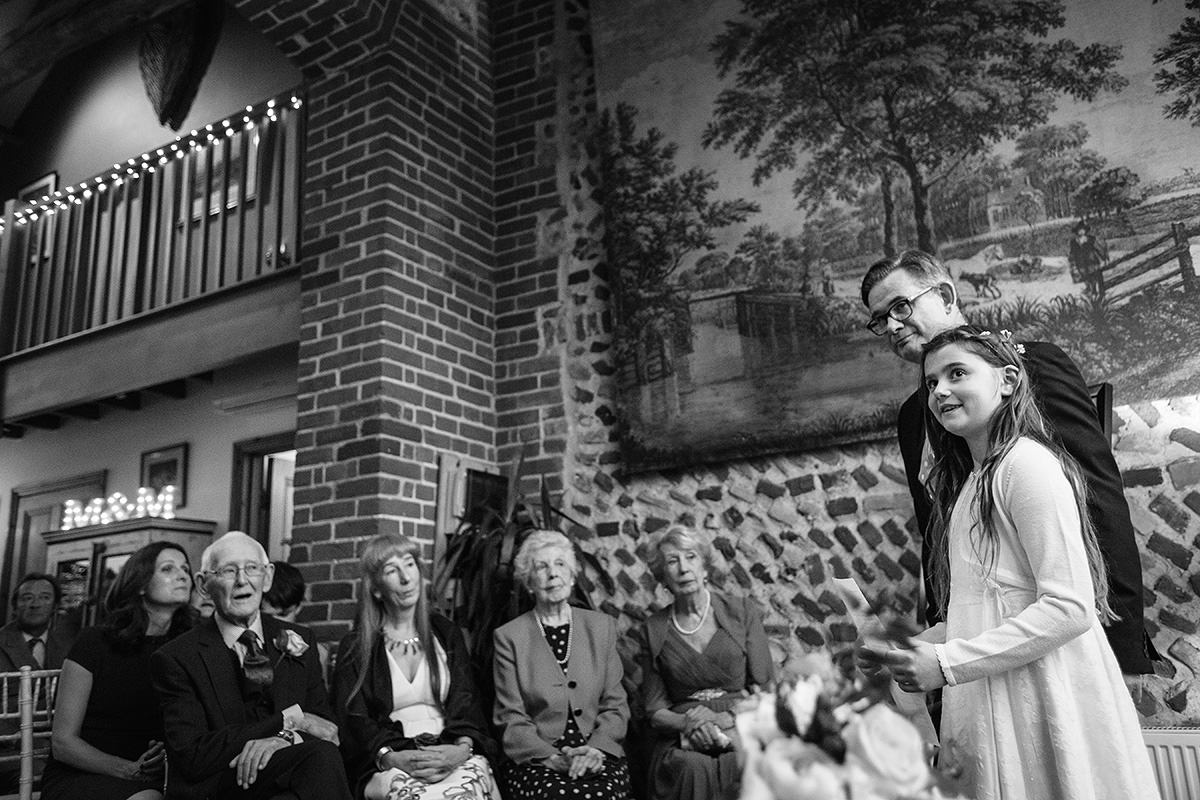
(761, 157)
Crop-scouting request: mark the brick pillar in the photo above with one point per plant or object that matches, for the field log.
(396, 340)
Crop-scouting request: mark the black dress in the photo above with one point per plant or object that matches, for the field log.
(533, 781)
(122, 717)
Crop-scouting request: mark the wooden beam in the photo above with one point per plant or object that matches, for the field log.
(58, 28)
(130, 401)
(175, 389)
(84, 411)
(47, 422)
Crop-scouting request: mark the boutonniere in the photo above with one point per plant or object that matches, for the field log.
(290, 644)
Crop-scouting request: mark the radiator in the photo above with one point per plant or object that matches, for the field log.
(1175, 757)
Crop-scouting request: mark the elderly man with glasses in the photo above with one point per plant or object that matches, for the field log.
(244, 705)
(911, 298)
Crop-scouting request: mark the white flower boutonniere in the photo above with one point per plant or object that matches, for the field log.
(291, 643)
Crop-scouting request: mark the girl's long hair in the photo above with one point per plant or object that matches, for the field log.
(372, 609)
(1018, 415)
(125, 617)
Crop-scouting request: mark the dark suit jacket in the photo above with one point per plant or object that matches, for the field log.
(204, 716)
(1067, 404)
(532, 694)
(363, 719)
(15, 653)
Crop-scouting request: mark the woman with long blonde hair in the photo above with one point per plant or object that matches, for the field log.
(407, 705)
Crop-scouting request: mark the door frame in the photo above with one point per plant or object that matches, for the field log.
(21, 493)
(245, 470)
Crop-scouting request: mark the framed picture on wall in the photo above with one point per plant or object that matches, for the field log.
(166, 467)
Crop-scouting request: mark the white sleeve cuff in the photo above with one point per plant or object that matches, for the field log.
(940, 651)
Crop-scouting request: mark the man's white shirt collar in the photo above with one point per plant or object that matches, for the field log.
(231, 632)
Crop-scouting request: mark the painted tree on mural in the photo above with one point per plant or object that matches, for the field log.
(654, 216)
(917, 86)
(1056, 163)
(1181, 74)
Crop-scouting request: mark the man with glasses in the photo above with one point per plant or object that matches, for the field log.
(244, 705)
(28, 641)
(911, 298)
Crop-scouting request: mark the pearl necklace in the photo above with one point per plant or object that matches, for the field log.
(703, 616)
(562, 662)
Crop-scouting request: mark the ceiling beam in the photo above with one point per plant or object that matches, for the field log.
(130, 401)
(176, 389)
(58, 28)
(12, 431)
(84, 411)
(47, 422)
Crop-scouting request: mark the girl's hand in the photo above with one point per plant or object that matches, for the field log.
(916, 669)
(871, 657)
(585, 760)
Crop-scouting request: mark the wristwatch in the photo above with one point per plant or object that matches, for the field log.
(379, 754)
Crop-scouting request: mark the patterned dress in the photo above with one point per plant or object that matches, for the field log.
(533, 781)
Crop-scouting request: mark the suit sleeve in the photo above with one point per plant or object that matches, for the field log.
(195, 748)
(612, 712)
(1071, 412)
(519, 736)
(910, 431)
(759, 669)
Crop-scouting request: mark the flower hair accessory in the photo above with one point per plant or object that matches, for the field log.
(1006, 336)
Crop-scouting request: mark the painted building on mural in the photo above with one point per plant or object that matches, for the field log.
(429, 288)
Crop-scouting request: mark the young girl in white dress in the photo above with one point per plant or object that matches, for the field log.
(1034, 704)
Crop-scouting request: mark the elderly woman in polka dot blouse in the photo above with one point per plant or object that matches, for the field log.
(704, 651)
(559, 702)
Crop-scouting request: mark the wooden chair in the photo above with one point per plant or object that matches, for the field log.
(31, 707)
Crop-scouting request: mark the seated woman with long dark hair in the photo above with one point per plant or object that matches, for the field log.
(410, 719)
(106, 743)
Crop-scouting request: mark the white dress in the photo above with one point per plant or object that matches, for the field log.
(1036, 706)
(414, 707)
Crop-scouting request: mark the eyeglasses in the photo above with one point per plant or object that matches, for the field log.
(229, 572)
(900, 310)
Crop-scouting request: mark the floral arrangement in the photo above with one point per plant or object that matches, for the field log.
(831, 736)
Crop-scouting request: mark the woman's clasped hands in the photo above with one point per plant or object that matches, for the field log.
(576, 762)
(429, 763)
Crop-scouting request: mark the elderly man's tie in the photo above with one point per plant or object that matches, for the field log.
(255, 666)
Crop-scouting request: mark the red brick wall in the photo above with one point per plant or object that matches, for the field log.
(397, 338)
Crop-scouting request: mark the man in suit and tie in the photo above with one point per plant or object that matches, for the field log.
(911, 298)
(245, 711)
(28, 641)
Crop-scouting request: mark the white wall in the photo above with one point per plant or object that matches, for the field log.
(116, 441)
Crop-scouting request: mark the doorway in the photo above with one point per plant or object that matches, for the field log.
(37, 509)
(263, 471)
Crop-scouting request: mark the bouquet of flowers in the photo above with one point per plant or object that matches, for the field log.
(830, 736)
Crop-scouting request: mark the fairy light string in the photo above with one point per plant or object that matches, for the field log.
(149, 162)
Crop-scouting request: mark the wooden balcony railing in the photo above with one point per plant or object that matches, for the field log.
(214, 209)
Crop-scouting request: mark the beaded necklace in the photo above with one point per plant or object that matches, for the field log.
(562, 662)
(411, 645)
(703, 616)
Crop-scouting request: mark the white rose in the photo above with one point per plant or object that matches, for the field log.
(888, 749)
(756, 723)
(795, 770)
(802, 702)
(291, 643)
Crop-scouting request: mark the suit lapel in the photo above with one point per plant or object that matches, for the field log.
(13, 643)
(225, 684)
